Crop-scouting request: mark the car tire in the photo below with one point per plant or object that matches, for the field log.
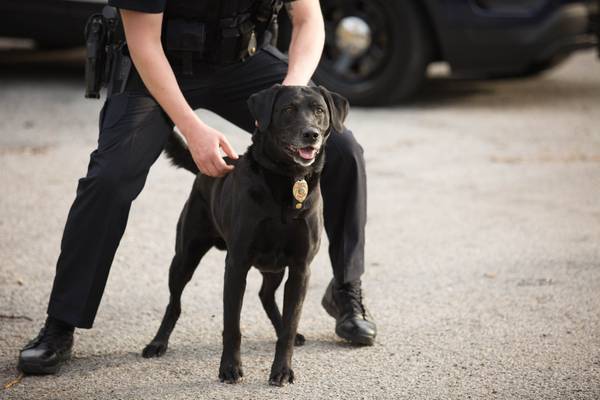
(392, 67)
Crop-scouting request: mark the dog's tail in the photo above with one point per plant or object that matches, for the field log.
(177, 151)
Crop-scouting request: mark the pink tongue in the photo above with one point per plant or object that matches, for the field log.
(308, 153)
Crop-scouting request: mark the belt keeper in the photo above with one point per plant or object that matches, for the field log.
(125, 71)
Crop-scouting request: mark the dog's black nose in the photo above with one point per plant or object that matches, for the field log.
(311, 135)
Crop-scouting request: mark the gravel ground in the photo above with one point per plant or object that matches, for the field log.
(483, 252)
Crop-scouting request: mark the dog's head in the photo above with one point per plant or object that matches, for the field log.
(294, 122)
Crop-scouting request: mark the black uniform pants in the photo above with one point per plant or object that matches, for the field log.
(133, 131)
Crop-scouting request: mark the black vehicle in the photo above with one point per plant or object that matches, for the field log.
(51, 23)
(377, 51)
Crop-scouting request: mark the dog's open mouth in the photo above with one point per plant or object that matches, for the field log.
(307, 153)
(303, 155)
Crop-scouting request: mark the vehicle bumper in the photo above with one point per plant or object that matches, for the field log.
(573, 28)
(500, 45)
(57, 23)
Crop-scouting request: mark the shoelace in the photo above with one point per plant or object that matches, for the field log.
(354, 295)
(51, 334)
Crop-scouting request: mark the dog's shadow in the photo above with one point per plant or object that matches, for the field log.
(191, 366)
(199, 350)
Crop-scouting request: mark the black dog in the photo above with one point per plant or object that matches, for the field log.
(267, 213)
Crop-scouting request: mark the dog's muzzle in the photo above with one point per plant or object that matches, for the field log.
(304, 156)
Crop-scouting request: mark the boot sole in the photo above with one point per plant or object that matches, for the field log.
(356, 339)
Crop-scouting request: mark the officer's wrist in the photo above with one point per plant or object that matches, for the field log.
(291, 80)
(190, 125)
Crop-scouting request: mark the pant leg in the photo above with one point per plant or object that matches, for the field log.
(343, 182)
(344, 188)
(133, 130)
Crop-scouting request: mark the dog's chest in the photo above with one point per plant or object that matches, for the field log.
(277, 244)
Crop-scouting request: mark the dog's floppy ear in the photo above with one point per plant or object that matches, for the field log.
(261, 106)
(338, 108)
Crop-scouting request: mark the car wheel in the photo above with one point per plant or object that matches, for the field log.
(376, 51)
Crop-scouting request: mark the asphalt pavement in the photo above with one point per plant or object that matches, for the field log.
(483, 251)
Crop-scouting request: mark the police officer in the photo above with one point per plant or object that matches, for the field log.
(190, 54)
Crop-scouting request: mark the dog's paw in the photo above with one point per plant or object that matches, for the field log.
(230, 373)
(300, 339)
(281, 376)
(154, 349)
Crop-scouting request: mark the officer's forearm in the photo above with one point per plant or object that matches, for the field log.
(158, 76)
(308, 38)
(143, 40)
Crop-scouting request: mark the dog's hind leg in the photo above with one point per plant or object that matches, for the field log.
(271, 281)
(181, 271)
(192, 243)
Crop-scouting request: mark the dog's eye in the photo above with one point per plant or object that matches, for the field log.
(319, 111)
(289, 109)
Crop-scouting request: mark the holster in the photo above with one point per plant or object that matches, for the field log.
(103, 33)
(95, 61)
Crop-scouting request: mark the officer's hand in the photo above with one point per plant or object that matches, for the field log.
(204, 144)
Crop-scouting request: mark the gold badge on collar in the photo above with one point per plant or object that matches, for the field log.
(300, 192)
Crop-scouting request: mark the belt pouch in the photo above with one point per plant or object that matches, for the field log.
(185, 41)
(235, 39)
(229, 46)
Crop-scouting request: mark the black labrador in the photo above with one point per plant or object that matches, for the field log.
(266, 213)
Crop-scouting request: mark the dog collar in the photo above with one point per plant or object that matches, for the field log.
(300, 192)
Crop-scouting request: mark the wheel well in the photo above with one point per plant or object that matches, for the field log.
(430, 27)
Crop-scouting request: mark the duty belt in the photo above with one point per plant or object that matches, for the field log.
(225, 42)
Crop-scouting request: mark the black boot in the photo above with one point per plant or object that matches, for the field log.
(49, 350)
(352, 320)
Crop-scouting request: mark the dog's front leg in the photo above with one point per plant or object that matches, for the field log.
(295, 291)
(230, 370)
